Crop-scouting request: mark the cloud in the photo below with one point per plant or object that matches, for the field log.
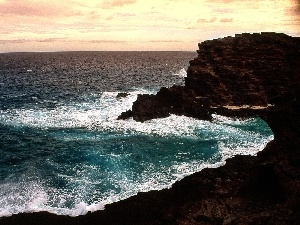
(295, 9)
(84, 24)
(105, 41)
(223, 10)
(18, 41)
(226, 20)
(116, 3)
(40, 8)
(50, 40)
(212, 20)
(227, 1)
(297, 2)
(22, 41)
(164, 41)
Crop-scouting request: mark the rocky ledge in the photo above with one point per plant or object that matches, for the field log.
(245, 70)
(245, 75)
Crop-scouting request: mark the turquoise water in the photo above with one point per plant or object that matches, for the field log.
(64, 151)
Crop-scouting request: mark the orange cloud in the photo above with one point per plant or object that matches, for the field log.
(105, 41)
(50, 40)
(116, 3)
(142, 24)
(165, 41)
(226, 20)
(19, 41)
(35, 8)
(212, 20)
(295, 9)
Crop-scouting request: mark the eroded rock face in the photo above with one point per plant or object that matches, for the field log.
(176, 100)
(248, 69)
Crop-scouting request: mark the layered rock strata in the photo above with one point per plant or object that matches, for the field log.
(257, 74)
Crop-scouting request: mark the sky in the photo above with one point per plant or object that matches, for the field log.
(137, 25)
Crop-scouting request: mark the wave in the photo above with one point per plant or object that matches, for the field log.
(80, 157)
(181, 73)
(101, 114)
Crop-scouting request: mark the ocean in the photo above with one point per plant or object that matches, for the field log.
(62, 149)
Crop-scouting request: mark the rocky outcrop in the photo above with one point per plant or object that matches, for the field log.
(248, 69)
(122, 95)
(239, 76)
(177, 100)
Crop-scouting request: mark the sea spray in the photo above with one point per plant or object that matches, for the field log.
(82, 157)
(64, 151)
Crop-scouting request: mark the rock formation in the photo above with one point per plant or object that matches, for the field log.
(248, 69)
(250, 74)
(122, 95)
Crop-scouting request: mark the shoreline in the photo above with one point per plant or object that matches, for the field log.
(262, 189)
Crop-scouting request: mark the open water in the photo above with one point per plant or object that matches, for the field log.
(62, 149)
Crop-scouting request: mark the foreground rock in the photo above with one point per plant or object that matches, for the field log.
(253, 70)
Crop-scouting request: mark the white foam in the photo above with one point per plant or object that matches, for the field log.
(21, 197)
(101, 115)
(106, 108)
(229, 120)
(33, 196)
(83, 208)
(181, 73)
(249, 147)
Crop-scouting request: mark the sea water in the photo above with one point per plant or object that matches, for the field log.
(62, 149)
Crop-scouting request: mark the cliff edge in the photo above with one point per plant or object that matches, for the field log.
(238, 75)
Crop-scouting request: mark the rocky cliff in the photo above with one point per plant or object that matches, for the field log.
(246, 71)
(257, 74)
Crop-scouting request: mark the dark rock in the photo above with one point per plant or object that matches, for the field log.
(205, 219)
(125, 115)
(249, 69)
(264, 184)
(176, 100)
(122, 95)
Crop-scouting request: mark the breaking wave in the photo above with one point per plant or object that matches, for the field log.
(77, 157)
